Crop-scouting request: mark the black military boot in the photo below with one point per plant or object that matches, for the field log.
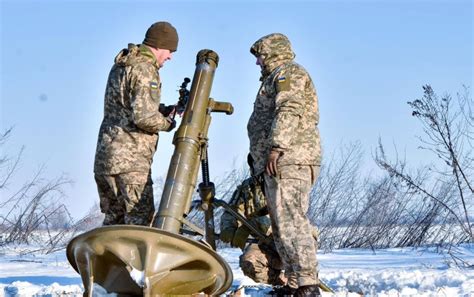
(284, 291)
(311, 290)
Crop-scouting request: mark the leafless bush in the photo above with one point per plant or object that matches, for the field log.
(429, 205)
(448, 135)
(35, 206)
(93, 219)
(335, 199)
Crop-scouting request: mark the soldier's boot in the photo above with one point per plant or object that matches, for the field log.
(284, 291)
(311, 290)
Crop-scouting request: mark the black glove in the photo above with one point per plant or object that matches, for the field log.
(172, 123)
(227, 234)
(240, 237)
(167, 110)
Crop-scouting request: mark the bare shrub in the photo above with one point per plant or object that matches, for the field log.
(91, 220)
(335, 199)
(448, 135)
(402, 207)
(35, 206)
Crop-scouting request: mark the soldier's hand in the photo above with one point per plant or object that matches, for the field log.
(172, 123)
(227, 234)
(167, 111)
(272, 162)
(240, 237)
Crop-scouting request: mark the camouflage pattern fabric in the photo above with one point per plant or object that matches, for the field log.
(126, 198)
(261, 265)
(128, 134)
(285, 119)
(259, 261)
(248, 200)
(128, 137)
(285, 115)
(288, 201)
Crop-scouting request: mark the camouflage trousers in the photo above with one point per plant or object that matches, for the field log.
(288, 199)
(126, 198)
(262, 266)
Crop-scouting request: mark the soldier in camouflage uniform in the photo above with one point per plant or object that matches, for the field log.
(285, 144)
(259, 261)
(128, 135)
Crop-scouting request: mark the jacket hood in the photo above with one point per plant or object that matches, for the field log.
(275, 49)
(135, 54)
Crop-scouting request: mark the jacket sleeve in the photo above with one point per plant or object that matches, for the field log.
(145, 99)
(289, 106)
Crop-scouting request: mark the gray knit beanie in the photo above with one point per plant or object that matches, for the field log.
(162, 35)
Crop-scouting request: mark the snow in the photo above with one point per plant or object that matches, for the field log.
(350, 272)
(138, 276)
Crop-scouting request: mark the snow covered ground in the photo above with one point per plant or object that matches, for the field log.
(350, 272)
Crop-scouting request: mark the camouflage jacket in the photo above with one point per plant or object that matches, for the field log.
(248, 200)
(128, 135)
(285, 114)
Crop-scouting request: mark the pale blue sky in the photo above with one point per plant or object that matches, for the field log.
(367, 59)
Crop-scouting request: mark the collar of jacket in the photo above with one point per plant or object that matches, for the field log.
(272, 66)
(145, 51)
(134, 54)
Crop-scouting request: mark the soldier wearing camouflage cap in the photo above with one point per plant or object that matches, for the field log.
(285, 144)
(128, 135)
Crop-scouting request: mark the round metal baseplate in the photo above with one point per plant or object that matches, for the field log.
(145, 261)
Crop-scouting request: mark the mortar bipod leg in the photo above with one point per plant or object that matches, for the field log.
(207, 193)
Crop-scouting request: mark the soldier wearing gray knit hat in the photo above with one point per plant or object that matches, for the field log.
(162, 35)
(128, 135)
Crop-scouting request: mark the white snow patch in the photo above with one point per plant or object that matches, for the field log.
(349, 272)
(138, 276)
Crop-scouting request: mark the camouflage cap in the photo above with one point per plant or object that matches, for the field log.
(162, 35)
